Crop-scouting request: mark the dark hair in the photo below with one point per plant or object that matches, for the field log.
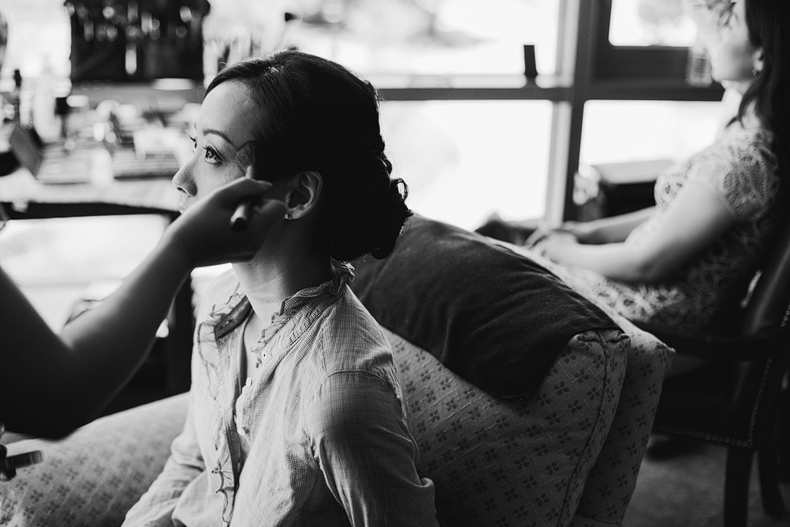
(318, 115)
(769, 93)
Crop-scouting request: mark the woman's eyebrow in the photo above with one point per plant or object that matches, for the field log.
(213, 131)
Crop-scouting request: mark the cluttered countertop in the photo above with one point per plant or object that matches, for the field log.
(95, 150)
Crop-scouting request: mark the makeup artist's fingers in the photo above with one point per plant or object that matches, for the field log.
(204, 229)
(265, 214)
(246, 187)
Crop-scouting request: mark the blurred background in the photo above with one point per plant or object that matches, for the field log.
(121, 71)
(464, 159)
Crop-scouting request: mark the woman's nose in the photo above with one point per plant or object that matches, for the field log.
(184, 182)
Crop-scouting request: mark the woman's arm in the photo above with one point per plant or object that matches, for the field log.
(607, 230)
(51, 384)
(362, 443)
(696, 218)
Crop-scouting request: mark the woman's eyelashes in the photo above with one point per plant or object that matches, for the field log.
(210, 154)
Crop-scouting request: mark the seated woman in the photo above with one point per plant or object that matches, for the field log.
(687, 262)
(296, 414)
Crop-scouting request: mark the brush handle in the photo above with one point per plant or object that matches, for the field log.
(241, 216)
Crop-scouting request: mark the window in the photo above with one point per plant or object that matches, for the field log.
(464, 160)
(38, 35)
(651, 23)
(616, 131)
(433, 37)
(58, 261)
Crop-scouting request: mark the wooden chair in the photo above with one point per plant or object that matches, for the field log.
(741, 400)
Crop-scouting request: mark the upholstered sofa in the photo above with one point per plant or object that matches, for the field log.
(555, 438)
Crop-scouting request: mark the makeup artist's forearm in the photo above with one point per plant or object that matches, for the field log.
(109, 342)
(31, 354)
(57, 383)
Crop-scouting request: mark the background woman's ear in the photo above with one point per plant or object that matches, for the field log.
(304, 193)
(758, 60)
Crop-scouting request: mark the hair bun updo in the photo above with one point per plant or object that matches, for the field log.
(369, 218)
(320, 116)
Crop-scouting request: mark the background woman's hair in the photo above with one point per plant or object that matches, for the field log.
(317, 115)
(768, 22)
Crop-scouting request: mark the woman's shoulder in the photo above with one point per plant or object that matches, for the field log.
(351, 338)
(740, 154)
(741, 168)
(746, 145)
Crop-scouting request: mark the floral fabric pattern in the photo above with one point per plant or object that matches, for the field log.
(502, 462)
(96, 474)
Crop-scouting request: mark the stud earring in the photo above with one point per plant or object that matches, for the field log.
(287, 215)
(754, 72)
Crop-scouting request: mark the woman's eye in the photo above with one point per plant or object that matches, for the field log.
(194, 143)
(211, 155)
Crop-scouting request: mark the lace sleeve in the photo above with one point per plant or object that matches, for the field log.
(742, 171)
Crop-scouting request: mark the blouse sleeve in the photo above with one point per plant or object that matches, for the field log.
(742, 173)
(367, 454)
(156, 506)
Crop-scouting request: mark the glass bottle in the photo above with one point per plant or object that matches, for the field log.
(698, 70)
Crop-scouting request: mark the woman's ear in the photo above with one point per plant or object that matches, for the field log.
(304, 194)
(758, 60)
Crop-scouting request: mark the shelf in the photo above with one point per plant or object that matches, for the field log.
(447, 87)
(471, 87)
(163, 95)
(652, 90)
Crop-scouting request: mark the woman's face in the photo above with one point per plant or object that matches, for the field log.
(224, 123)
(734, 58)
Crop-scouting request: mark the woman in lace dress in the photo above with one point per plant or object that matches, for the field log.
(686, 262)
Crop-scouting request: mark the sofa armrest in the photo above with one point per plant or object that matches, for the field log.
(497, 461)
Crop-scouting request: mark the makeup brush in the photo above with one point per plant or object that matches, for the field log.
(245, 158)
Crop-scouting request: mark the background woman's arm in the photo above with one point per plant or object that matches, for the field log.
(608, 230)
(696, 218)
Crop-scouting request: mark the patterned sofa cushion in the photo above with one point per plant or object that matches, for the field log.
(611, 482)
(96, 474)
(501, 462)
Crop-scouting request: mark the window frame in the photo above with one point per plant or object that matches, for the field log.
(633, 62)
(588, 67)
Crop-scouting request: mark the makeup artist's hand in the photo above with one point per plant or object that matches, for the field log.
(204, 230)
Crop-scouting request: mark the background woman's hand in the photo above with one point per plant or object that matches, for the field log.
(554, 243)
(204, 230)
(581, 230)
